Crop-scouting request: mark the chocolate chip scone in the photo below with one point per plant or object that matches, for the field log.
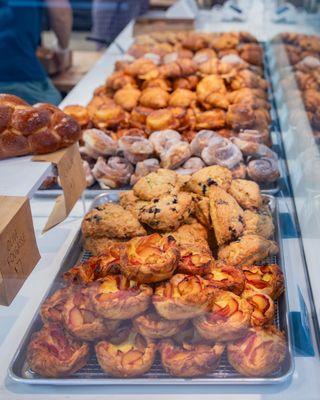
(226, 216)
(111, 221)
(202, 180)
(130, 202)
(167, 213)
(258, 223)
(157, 184)
(247, 193)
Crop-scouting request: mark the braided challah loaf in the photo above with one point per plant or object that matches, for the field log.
(39, 129)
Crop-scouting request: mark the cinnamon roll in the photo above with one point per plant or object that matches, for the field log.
(98, 143)
(191, 166)
(221, 152)
(90, 179)
(144, 168)
(163, 140)
(115, 172)
(263, 170)
(176, 155)
(135, 148)
(201, 141)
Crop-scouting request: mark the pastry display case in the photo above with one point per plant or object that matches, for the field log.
(189, 268)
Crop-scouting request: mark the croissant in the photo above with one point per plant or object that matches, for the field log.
(240, 116)
(211, 92)
(114, 173)
(252, 53)
(182, 98)
(40, 129)
(247, 78)
(154, 98)
(204, 55)
(188, 82)
(118, 80)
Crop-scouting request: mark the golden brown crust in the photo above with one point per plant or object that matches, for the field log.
(258, 223)
(259, 353)
(127, 358)
(247, 193)
(247, 250)
(202, 210)
(195, 259)
(190, 233)
(152, 325)
(189, 360)
(228, 319)
(226, 277)
(226, 215)
(100, 222)
(81, 321)
(182, 297)
(267, 279)
(203, 180)
(149, 259)
(51, 308)
(167, 213)
(54, 353)
(263, 308)
(116, 297)
(100, 245)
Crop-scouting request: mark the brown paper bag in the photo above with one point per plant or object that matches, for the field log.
(18, 247)
(72, 180)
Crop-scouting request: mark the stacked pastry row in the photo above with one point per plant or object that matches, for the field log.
(303, 81)
(169, 87)
(174, 270)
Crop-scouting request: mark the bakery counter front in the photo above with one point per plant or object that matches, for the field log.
(182, 273)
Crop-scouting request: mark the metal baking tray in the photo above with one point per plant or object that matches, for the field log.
(92, 374)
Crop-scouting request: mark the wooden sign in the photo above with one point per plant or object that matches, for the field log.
(18, 247)
(72, 180)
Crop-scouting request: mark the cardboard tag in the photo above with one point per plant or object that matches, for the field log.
(18, 247)
(72, 180)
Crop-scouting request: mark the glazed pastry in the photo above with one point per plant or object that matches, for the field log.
(118, 80)
(191, 166)
(263, 170)
(259, 353)
(96, 267)
(247, 250)
(79, 113)
(182, 297)
(138, 117)
(100, 245)
(203, 180)
(129, 132)
(153, 326)
(247, 193)
(90, 179)
(189, 360)
(160, 120)
(154, 98)
(188, 82)
(226, 277)
(228, 318)
(182, 98)
(204, 55)
(252, 53)
(149, 259)
(213, 119)
(127, 97)
(266, 279)
(140, 68)
(223, 153)
(82, 322)
(263, 308)
(247, 78)
(258, 223)
(157, 184)
(239, 171)
(126, 355)
(240, 116)
(98, 143)
(163, 140)
(52, 307)
(167, 213)
(135, 148)
(115, 172)
(226, 216)
(176, 155)
(144, 168)
(254, 149)
(195, 259)
(116, 297)
(112, 221)
(201, 141)
(160, 83)
(54, 353)
(107, 115)
(253, 135)
(211, 92)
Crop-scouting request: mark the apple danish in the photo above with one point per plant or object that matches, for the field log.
(263, 308)
(226, 277)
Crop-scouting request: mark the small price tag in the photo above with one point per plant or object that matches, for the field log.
(18, 247)
(72, 180)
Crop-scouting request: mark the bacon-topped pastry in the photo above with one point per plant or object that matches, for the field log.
(228, 318)
(259, 353)
(152, 325)
(182, 297)
(116, 297)
(226, 277)
(81, 320)
(148, 259)
(190, 357)
(54, 353)
(95, 267)
(263, 308)
(127, 354)
(195, 259)
(266, 279)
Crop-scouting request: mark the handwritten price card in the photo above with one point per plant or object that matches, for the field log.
(18, 247)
